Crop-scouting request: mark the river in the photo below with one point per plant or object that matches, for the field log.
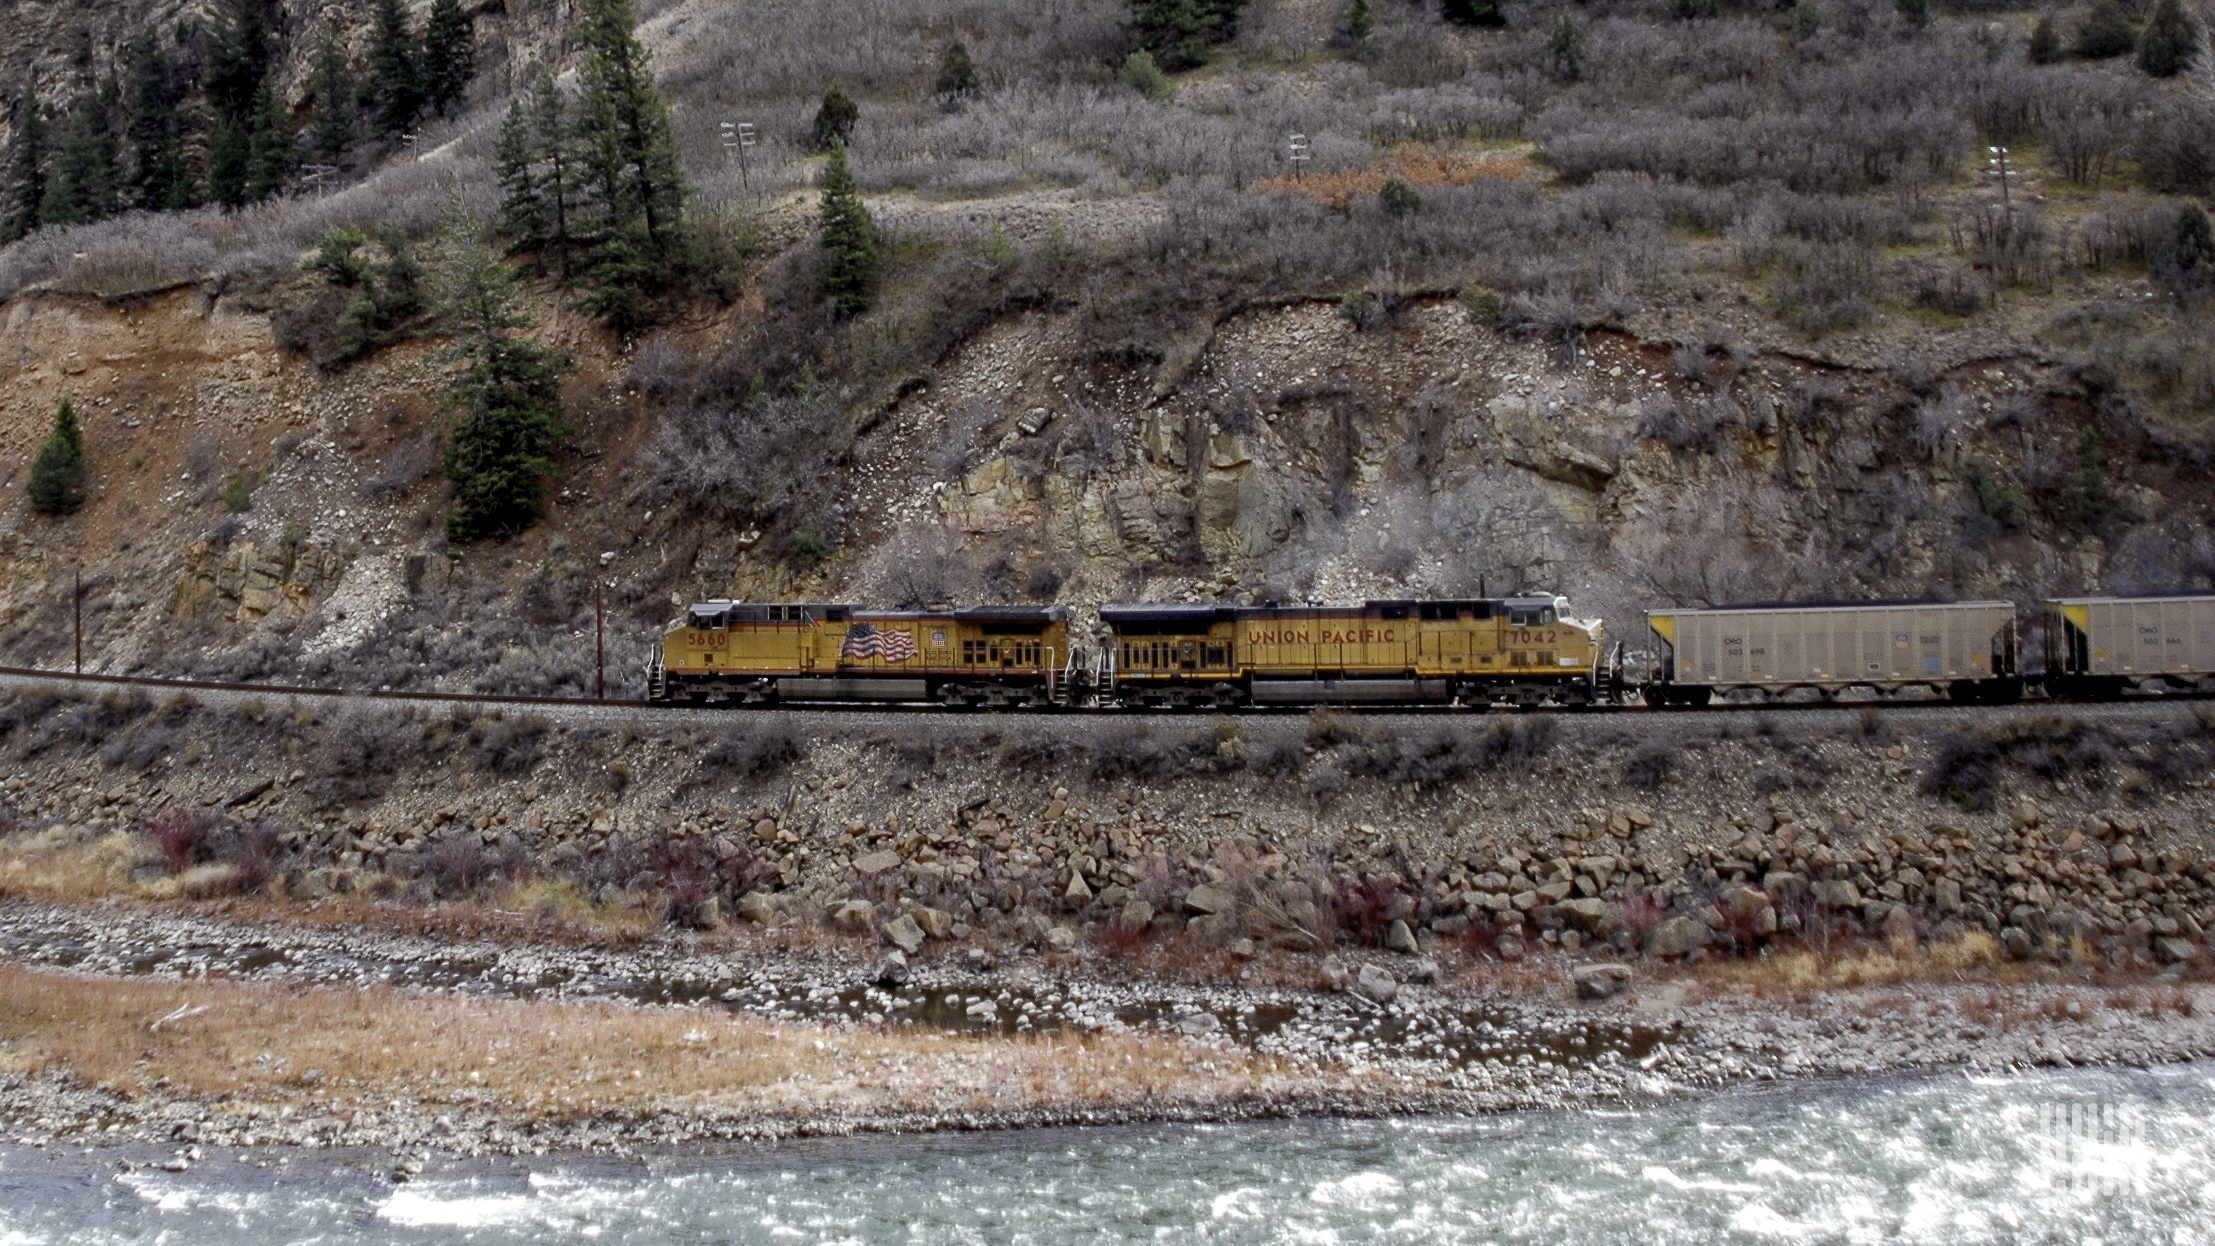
(2080, 1156)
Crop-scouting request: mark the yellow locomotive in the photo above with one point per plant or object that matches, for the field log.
(1524, 650)
(760, 654)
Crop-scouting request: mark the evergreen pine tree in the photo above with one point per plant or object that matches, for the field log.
(335, 102)
(26, 168)
(1565, 48)
(159, 181)
(835, 118)
(2045, 41)
(2170, 41)
(57, 484)
(523, 214)
(395, 70)
(2106, 32)
(557, 178)
(1916, 12)
(2192, 248)
(1474, 12)
(449, 56)
(81, 185)
(849, 239)
(230, 151)
(238, 59)
(508, 400)
(1360, 20)
(1179, 32)
(626, 155)
(957, 74)
(269, 146)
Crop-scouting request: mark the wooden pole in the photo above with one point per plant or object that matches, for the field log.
(77, 612)
(599, 645)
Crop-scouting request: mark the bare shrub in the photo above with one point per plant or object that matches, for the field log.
(458, 865)
(410, 461)
(357, 753)
(508, 742)
(184, 837)
(1650, 764)
(191, 837)
(749, 749)
(922, 564)
(2086, 121)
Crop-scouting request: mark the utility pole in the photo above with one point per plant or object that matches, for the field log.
(77, 611)
(318, 175)
(737, 137)
(1300, 155)
(599, 643)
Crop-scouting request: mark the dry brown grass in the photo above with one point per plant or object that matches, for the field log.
(1802, 971)
(255, 1043)
(59, 866)
(1424, 164)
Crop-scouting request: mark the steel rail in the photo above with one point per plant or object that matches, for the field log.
(910, 707)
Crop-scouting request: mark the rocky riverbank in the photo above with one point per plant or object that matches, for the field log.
(198, 1031)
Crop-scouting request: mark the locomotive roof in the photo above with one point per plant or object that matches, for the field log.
(836, 611)
(2186, 594)
(1203, 612)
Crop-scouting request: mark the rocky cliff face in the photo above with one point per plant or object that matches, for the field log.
(1297, 457)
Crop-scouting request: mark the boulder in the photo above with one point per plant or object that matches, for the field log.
(2174, 951)
(905, 934)
(1298, 941)
(892, 971)
(1078, 893)
(1450, 927)
(1743, 903)
(1137, 915)
(2015, 942)
(1838, 893)
(1594, 915)
(710, 916)
(1899, 927)
(876, 863)
(1605, 980)
(1400, 939)
(756, 906)
(936, 923)
(1783, 884)
(1377, 983)
(1332, 976)
(1425, 971)
(1207, 900)
(1198, 1023)
(1947, 894)
(1061, 938)
(1511, 947)
(1677, 937)
(853, 915)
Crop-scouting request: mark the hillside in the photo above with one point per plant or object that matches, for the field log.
(1686, 311)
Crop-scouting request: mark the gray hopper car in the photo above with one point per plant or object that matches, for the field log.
(2100, 647)
(1962, 650)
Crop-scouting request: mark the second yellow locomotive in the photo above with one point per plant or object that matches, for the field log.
(1524, 650)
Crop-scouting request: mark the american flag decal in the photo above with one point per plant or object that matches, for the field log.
(864, 640)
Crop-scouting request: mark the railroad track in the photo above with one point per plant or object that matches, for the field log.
(33, 674)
